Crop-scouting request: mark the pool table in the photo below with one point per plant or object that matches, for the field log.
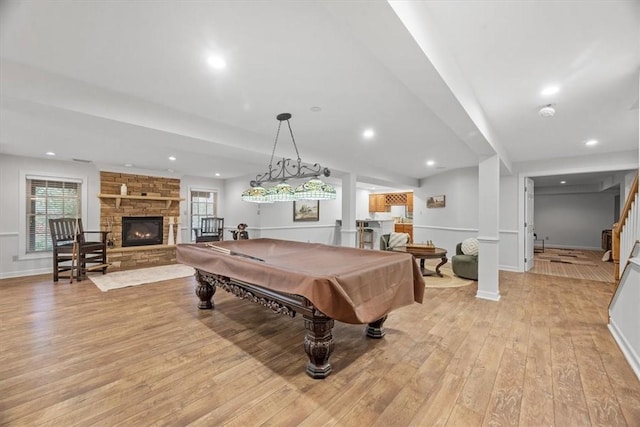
(324, 283)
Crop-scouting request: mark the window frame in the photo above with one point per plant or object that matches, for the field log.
(216, 202)
(49, 176)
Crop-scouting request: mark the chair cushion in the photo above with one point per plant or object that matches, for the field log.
(470, 246)
(465, 266)
(398, 239)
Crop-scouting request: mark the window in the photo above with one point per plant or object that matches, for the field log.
(47, 199)
(203, 204)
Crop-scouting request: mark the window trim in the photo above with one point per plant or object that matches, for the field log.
(22, 231)
(190, 213)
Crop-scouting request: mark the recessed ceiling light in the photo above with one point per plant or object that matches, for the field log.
(315, 109)
(563, 182)
(50, 153)
(172, 158)
(550, 90)
(591, 142)
(216, 62)
(430, 162)
(128, 165)
(217, 174)
(368, 133)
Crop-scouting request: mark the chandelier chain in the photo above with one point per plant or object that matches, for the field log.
(275, 143)
(285, 168)
(294, 141)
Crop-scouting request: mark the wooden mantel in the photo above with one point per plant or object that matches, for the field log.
(119, 197)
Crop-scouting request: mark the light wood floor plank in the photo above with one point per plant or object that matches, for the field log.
(569, 400)
(73, 355)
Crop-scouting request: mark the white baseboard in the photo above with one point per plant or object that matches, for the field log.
(23, 273)
(491, 296)
(627, 349)
(583, 248)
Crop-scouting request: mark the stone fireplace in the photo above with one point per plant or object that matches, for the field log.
(141, 230)
(148, 198)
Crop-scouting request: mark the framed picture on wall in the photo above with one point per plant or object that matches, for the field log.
(306, 210)
(436, 202)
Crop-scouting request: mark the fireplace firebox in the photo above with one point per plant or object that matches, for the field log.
(141, 230)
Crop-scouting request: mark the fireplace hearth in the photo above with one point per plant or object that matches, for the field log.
(141, 230)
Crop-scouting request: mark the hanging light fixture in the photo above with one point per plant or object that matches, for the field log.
(255, 195)
(285, 169)
(315, 189)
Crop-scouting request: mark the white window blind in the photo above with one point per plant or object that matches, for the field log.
(203, 204)
(49, 198)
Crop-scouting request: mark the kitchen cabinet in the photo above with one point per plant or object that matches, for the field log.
(377, 203)
(396, 199)
(404, 228)
(383, 202)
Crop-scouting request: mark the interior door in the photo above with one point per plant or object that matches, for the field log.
(529, 226)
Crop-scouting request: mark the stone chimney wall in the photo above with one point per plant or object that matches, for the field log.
(145, 187)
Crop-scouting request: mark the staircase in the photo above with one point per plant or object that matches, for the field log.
(624, 309)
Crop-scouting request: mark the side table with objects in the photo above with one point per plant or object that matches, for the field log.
(426, 251)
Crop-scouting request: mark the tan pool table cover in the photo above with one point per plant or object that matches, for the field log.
(347, 284)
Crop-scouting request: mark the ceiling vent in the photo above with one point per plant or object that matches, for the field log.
(547, 111)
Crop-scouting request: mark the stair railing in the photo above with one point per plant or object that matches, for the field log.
(626, 232)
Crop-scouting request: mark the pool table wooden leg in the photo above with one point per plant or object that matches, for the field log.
(376, 329)
(318, 344)
(205, 291)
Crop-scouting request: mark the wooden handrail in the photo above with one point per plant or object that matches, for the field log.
(617, 227)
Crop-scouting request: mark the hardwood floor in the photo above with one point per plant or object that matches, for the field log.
(588, 265)
(541, 356)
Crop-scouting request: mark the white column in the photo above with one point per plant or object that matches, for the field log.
(488, 224)
(178, 231)
(348, 231)
(170, 239)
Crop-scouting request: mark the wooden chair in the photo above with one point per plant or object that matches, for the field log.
(210, 230)
(89, 254)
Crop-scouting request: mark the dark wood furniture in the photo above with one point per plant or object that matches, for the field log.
(606, 240)
(90, 254)
(318, 342)
(324, 283)
(421, 252)
(210, 230)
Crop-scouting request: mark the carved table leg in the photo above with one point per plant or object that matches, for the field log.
(318, 344)
(375, 329)
(205, 292)
(443, 261)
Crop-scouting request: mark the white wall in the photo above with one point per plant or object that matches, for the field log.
(13, 261)
(276, 219)
(625, 316)
(458, 220)
(188, 183)
(362, 205)
(509, 238)
(573, 221)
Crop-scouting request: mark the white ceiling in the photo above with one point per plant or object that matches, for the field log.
(128, 82)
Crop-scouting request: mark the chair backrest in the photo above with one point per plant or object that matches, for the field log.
(384, 242)
(211, 225)
(64, 230)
